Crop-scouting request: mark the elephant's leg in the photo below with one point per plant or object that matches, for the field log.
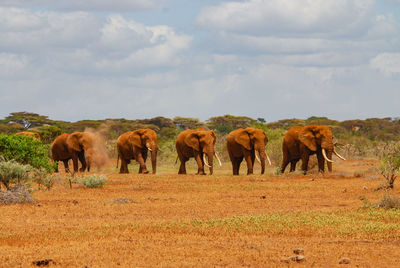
(304, 165)
(75, 162)
(182, 167)
(249, 160)
(144, 156)
(81, 157)
(321, 162)
(285, 162)
(200, 164)
(124, 166)
(293, 165)
(236, 165)
(140, 160)
(66, 166)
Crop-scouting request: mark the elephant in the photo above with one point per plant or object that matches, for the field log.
(73, 146)
(135, 145)
(196, 143)
(300, 142)
(34, 135)
(244, 143)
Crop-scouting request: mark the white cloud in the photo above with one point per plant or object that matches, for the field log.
(115, 5)
(387, 63)
(82, 43)
(282, 17)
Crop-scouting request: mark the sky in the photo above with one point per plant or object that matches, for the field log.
(134, 59)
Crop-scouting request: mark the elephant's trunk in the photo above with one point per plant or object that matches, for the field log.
(263, 157)
(329, 164)
(210, 156)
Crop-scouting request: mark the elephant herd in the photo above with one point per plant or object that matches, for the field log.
(249, 144)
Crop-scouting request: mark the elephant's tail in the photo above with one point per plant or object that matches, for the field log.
(117, 160)
(176, 160)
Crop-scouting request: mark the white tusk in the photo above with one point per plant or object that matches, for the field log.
(219, 161)
(148, 148)
(326, 158)
(269, 160)
(338, 155)
(205, 162)
(258, 159)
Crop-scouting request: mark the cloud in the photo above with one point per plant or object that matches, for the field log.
(82, 43)
(282, 17)
(88, 5)
(387, 63)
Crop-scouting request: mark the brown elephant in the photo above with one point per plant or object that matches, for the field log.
(244, 143)
(73, 146)
(135, 145)
(34, 135)
(196, 143)
(301, 142)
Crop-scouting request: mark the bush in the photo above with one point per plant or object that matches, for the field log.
(42, 177)
(390, 164)
(93, 181)
(389, 201)
(15, 195)
(13, 172)
(26, 150)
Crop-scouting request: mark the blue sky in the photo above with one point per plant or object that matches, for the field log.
(275, 59)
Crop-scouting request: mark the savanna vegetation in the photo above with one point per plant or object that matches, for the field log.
(132, 220)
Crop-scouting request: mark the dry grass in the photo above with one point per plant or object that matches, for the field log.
(205, 221)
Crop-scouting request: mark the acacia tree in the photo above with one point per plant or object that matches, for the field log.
(27, 120)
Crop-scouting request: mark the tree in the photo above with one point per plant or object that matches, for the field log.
(227, 123)
(188, 123)
(27, 120)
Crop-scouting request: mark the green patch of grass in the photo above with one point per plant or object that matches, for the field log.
(361, 223)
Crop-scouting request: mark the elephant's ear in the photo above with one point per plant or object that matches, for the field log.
(73, 141)
(214, 136)
(307, 137)
(135, 139)
(243, 139)
(192, 140)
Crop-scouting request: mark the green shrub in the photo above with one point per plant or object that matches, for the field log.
(26, 150)
(390, 163)
(42, 177)
(13, 172)
(93, 181)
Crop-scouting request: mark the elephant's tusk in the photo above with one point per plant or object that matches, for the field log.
(258, 159)
(204, 160)
(219, 161)
(326, 158)
(269, 160)
(338, 155)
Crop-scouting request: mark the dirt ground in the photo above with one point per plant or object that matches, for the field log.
(170, 220)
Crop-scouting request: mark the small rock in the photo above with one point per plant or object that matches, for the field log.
(344, 190)
(298, 251)
(45, 262)
(300, 258)
(38, 204)
(312, 179)
(263, 197)
(362, 197)
(365, 187)
(344, 261)
(75, 202)
(286, 260)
